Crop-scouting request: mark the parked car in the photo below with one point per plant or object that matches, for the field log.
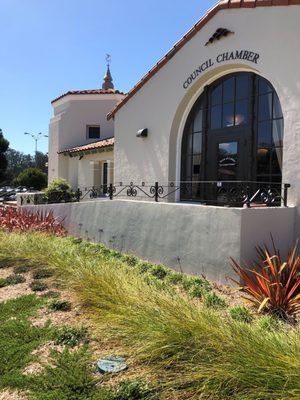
(8, 193)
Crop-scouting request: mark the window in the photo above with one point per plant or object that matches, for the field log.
(234, 132)
(229, 102)
(93, 132)
(269, 133)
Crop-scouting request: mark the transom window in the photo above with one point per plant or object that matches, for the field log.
(93, 131)
(240, 112)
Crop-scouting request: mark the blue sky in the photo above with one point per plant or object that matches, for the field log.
(48, 47)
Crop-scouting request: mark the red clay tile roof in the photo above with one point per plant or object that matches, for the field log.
(88, 91)
(88, 147)
(221, 5)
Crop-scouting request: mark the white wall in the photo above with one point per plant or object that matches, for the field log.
(191, 238)
(162, 104)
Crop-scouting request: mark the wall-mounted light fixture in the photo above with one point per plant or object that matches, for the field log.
(142, 133)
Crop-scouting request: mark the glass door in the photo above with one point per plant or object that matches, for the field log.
(227, 162)
(227, 167)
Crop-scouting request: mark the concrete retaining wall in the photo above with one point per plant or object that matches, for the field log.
(188, 237)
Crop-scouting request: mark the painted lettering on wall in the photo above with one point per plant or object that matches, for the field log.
(246, 55)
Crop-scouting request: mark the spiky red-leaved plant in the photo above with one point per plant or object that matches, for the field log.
(271, 284)
(13, 219)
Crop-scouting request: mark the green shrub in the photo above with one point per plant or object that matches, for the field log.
(15, 279)
(112, 253)
(196, 292)
(60, 305)
(32, 178)
(159, 271)
(70, 336)
(21, 269)
(189, 282)
(132, 261)
(241, 313)
(59, 190)
(175, 278)
(212, 300)
(133, 390)
(144, 266)
(3, 282)
(42, 273)
(38, 286)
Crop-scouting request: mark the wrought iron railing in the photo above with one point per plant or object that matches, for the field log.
(222, 193)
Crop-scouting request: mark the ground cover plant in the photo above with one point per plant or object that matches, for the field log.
(38, 286)
(272, 284)
(193, 350)
(18, 338)
(68, 376)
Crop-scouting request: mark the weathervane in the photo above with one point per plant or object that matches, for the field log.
(108, 59)
(108, 80)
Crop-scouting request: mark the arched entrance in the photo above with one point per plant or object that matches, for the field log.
(233, 135)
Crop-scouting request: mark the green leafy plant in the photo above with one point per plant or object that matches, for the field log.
(70, 336)
(3, 282)
(212, 300)
(58, 191)
(42, 273)
(144, 266)
(21, 269)
(15, 279)
(32, 178)
(129, 259)
(38, 286)
(133, 390)
(175, 278)
(271, 284)
(60, 305)
(241, 313)
(159, 271)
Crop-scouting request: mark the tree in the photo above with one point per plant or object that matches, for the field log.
(3, 161)
(18, 162)
(32, 178)
(41, 161)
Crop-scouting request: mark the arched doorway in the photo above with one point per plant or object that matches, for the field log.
(233, 135)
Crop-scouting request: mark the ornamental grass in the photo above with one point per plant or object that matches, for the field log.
(197, 352)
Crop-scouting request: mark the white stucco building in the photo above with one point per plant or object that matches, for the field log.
(216, 122)
(81, 139)
(228, 92)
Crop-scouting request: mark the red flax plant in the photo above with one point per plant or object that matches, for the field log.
(12, 219)
(272, 285)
